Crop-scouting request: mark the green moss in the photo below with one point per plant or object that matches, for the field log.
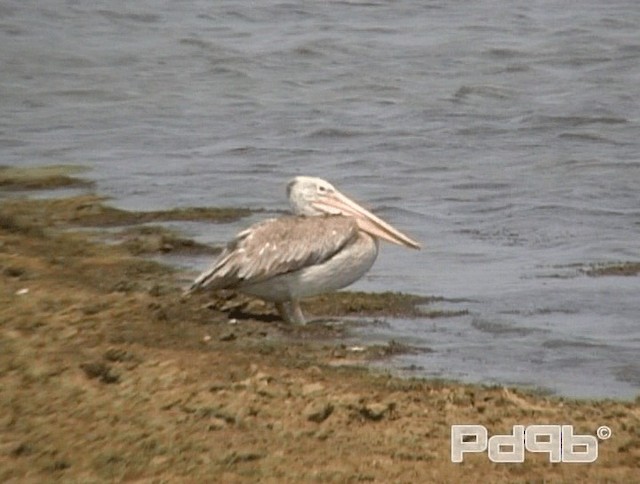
(613, 269)
(42, 177)
(370, 304)
(91, 211)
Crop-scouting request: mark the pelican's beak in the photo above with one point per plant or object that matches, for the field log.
(338, 204)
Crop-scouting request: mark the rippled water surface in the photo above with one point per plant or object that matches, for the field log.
(503, 135)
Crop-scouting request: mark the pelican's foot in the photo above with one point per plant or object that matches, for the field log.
(291, 313)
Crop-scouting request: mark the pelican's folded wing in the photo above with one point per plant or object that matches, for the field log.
(277, 246)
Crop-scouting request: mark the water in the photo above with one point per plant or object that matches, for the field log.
(504, 136)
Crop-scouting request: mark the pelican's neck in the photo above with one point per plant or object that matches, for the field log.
(301, 206)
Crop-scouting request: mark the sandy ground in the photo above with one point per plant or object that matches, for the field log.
(108, 374)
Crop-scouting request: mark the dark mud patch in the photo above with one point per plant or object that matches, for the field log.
(321, 309)
(153, 239)
(18, 224)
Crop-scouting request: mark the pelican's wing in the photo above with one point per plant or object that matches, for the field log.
(277, 246)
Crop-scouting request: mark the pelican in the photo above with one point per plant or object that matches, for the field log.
(329, 243)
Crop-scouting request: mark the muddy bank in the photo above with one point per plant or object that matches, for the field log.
(108, 373)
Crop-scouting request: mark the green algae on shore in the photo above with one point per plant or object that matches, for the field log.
(88, 210)
(613, 269)
(42, 177)
(396, 304)
(333, 305)
(91, 211)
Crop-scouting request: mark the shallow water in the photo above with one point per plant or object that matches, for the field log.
(504, 137)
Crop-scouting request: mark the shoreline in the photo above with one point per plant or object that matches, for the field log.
(108, 373)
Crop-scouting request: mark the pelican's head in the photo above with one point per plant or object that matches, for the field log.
(305, 191)
(311, 196)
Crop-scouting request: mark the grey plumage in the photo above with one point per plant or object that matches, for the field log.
(278, 246)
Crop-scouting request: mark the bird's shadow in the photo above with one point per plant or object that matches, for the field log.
(241, 314)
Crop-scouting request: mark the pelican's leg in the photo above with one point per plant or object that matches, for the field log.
(297, 316)
(283, 310)
(291, 312)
